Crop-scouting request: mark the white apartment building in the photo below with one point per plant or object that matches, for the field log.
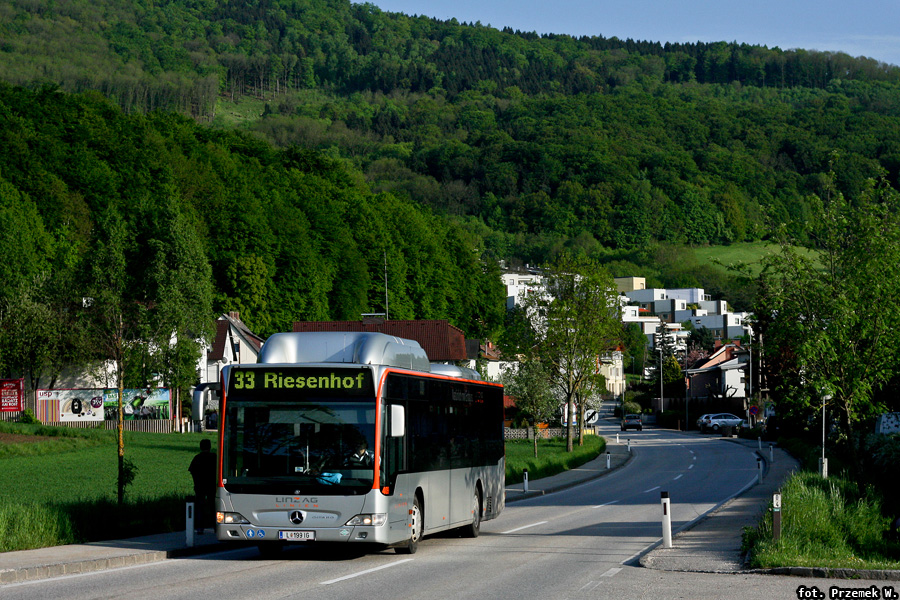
(672, 306)
(518, 285)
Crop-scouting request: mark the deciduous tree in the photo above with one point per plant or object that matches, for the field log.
(573, 321)
(529, 384)
(831, 324)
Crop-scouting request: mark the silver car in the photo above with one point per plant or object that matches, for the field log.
(717, 421)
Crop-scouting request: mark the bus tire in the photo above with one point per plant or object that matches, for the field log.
(417, 525)
(474, 528)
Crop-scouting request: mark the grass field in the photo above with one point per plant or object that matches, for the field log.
(84, 468)
(61, 488)
(58, 485)
(749, 254)
(552, 457)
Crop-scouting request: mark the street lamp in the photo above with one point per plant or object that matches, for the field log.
(749, 331)
(661, 401)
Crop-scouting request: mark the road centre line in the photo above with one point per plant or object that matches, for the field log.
(366, 572)
(607, 504)
(651, 489)
(611, 572)
(523, 527)
(677, 477)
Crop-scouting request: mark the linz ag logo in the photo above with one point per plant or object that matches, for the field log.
(293, 501)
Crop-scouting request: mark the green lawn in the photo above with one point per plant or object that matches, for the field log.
(62, 490)
(86, 471)
(749, 254)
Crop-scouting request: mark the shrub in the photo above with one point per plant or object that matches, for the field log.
(29, 418)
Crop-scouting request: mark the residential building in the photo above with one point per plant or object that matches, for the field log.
(721, 380)
(519, 285)
(442, 342)
(233, 343)
(612, 367)
(630, 284)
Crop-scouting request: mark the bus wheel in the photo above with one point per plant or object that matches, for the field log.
(416, 526)
(270, 549)
(472, 530)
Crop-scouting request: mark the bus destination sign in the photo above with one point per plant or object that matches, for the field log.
(307, 380)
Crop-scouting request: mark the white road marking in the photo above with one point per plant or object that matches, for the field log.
(524, 527)
(366, 572)
(651, 489)
(690, 466)
(677, 477)
(607, 504)
(611, 572)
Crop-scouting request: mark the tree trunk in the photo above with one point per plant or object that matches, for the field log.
(570, 427)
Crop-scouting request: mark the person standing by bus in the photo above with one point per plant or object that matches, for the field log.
(203, 471)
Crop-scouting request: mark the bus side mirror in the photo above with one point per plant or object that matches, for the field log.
(398, 421)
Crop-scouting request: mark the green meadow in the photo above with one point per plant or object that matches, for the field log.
(62, 488)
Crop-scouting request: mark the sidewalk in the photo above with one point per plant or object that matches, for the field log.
(41, 563)
(712, 543)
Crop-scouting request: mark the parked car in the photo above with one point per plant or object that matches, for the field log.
(632, 422)
(701, 420)
(717, 421)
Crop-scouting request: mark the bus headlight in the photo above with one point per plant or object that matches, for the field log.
(230, 518)
(373, 520)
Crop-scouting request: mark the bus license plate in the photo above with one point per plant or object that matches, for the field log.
(297, 536)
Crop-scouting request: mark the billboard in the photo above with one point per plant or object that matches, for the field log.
(97, 404)
(70, 405)
(12, 395)
(155, 403)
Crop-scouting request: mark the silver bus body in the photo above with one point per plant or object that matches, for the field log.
(446, 456)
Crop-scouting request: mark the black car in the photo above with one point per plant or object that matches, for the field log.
(632, 422)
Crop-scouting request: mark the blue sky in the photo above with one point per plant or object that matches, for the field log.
(864, 28)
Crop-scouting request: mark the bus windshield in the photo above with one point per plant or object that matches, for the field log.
(320, 446)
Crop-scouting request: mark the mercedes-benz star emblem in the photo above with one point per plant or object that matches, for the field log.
(296, 517)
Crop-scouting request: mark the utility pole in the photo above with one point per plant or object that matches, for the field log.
(386, 313)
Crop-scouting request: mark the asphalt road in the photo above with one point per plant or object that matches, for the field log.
(577, 543)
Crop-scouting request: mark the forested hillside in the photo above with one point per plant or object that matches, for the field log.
(289, 234)
(620, 149)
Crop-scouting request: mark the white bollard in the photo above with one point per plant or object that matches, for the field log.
(771, 454)
(617, 438)
(759, 442)
(629, 444)
(607, 460)
(525, 478)
(666, 519)
(189, 524)
(759, 468)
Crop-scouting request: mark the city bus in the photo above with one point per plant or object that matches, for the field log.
(355, 437)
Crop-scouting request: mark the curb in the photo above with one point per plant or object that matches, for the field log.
(827, 573)
(46, 571)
